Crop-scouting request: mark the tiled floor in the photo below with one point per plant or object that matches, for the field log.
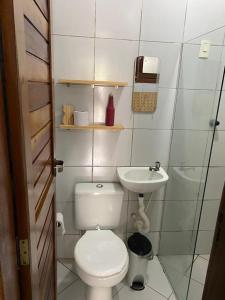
(158, 288)
(198, 276)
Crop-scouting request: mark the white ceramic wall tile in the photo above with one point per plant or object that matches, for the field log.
(68, 17)
(184, 183)
(112, 148)
(122, 103)
(80, 97)
(188, 148)
(154, 238)
(200, 11)
(221, 71)
(221, 114)
(163, 116)
(118, 19)
(215, 183)
(150, 146)
(184, 217)
(157, 278)
(154, 213)
(204, 242)
(218, 158)
(74, 147)
(197, 73)
(107, 174)
(68, 210)
(73, 58)
(66, 244)
(122, 228)
(157, 195)
(65, 182)
(216, 37)
(175, 243)
(193, 109)
(114, 60)
(171, 29)
(169, 57)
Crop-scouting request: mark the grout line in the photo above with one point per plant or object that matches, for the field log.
(208, 32)
(117, 39)
(185, 20)
(66, 266)
(67, 287)
(200, 255)
(122, 287)
(156, 291)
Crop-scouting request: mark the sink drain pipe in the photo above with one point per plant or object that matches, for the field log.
(143, 224)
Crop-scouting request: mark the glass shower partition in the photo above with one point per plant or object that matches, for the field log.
(197, 104)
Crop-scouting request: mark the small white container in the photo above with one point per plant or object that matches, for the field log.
(81, 118)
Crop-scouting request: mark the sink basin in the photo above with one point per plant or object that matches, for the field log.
(141, 179)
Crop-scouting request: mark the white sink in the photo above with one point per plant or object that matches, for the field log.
(141, 180)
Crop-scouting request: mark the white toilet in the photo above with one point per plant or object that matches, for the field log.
(101, 257)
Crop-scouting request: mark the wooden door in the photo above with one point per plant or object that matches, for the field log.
(28, 85)
(9, 287)
(214, 285)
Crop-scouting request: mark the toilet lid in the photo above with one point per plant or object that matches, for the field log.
(101, 253)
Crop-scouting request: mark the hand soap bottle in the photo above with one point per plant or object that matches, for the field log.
(110, 112)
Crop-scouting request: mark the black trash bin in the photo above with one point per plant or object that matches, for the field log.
(140, 252)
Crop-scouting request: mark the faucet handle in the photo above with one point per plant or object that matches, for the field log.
(157, 165)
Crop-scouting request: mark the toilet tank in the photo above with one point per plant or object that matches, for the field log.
(98, 204)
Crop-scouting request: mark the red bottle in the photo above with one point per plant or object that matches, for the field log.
(110, 112)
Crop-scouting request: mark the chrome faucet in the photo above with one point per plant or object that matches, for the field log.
(156, 168)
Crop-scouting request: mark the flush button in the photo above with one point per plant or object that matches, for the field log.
(99, 185)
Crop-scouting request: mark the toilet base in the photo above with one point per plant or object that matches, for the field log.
(97, 293)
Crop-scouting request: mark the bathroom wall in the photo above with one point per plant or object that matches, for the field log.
(197, 100)
(196, 104)
(100, 40)
(206, 20)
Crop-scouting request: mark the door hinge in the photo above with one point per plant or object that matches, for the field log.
(23, 255)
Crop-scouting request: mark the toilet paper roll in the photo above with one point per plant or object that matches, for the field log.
(60, 223)
(81, 118)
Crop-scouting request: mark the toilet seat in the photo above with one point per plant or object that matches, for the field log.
(101, 253)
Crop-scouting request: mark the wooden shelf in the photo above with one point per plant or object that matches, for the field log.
(116, 127)
(93, 82)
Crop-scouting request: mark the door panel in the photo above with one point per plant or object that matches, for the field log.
(39, 95)
(40, 140)
(31, 135)
(9, 285)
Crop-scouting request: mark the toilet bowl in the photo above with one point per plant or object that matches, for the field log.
(102, 260)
